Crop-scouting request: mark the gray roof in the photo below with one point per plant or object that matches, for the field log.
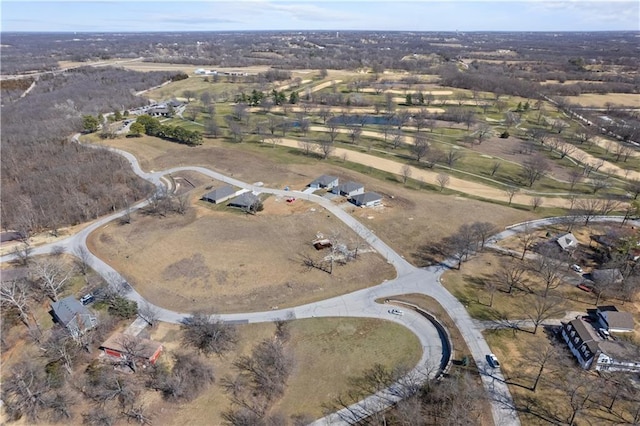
(219, 194)
(607, 276)
(245, 200)
(587, 334)
(567, 241)
(68, 308)
(365, 198)
(324, 180)
(349, 187)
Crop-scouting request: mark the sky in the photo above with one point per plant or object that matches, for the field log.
(248, 15)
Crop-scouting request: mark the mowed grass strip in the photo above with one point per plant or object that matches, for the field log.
(328, 352)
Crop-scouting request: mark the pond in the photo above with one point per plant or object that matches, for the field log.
(347, 120)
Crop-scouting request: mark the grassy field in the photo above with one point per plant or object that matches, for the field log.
(595, 100)
(327, 353)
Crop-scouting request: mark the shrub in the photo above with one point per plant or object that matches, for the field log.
(505, 134)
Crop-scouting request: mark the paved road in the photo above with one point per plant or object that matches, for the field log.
(357, 304)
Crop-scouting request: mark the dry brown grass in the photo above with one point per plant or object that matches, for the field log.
(220, 258)
(327, 353)
(629, 100)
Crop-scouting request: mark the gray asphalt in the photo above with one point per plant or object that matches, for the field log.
(357, 304)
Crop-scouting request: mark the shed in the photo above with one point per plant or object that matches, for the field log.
(220, 195)
(567, 241)
(348, 189)
(325, 181)
(367, 199)
(120, 345)
(244, 201)
(74, 316)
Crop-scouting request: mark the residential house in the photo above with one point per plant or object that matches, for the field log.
(613, 320)
(567, 241)
(244, 201)
(220, 195)
(325, 181)
(348, 189)
(607, 276)
(122, 346)
(74, 316)
(593, 352)
(367, 199)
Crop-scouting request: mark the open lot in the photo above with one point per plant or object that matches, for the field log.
(328, 353)
(629, 100)
(410, 218)
(222, 259)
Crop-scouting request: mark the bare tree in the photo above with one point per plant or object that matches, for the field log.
(188, 377)
(307, 146)
(533, 169)
(326, 148)
(443, 180)
(420, 147)
(51, 276)
(536, 202)
(483, 133)
(527, 238)
(149, 313)
(461, 245)
(14, 294)
(483, 231)
(540, 356)
(405, 172)
(396, 138)
(332, 132)
(495, 166)
(82, 258)
(511, 274)
(453, 155)
(25, 391)
(549, 267)
(354, 134)
(207, 334)
(22, 252)
(511, 191)
(541, 309)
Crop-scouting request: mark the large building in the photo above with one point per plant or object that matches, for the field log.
(599, 353)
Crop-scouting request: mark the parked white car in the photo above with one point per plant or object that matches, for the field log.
(493, 361)
(577, 268)
(396, 312)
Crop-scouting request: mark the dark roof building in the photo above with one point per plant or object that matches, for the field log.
(244, 201)
(325, 181)
(611, 319)
(591, 351)
(607, 276)
(367, 199)
(348, 189)
(120, 345)
(74, 316)
(220, 195)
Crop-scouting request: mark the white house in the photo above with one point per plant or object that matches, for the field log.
(367, 199)
(567, 241)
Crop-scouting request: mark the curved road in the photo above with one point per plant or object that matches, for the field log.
(357, 304)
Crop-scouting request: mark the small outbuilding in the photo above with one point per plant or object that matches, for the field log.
(567, 242)
(367, 199)
(124, 346)
(348, 189)
(325, 181)
(607, 276)
(74, 316)
(245, 201)
(220, 195)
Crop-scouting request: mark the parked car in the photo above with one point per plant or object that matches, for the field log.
(396, 312)
(584, 288)
(87, 298)
(577, 268)
(291, 199)
(493, 361)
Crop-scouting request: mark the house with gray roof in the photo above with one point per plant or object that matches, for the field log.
(613, 320)
(325, 181)
(220, 195)
(595, 352)
(74, 316)
(607, 276)
(367, 199)
(348, 189)
(244, 201)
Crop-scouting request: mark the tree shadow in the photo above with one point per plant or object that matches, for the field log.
(429, 255)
